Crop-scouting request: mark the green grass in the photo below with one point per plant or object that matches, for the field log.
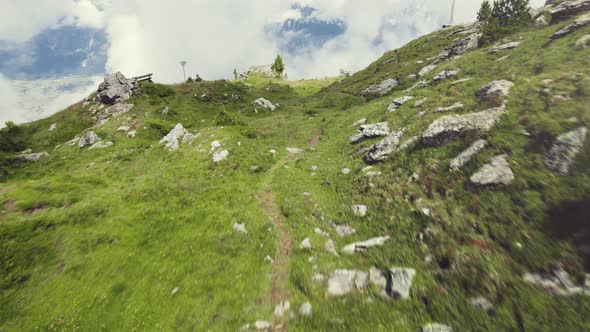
(98, 239)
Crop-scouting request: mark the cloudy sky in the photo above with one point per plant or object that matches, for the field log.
(45, 40)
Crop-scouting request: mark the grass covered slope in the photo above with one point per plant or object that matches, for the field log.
(134, 237)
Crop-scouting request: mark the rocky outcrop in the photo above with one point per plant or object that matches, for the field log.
(564, 151)
(382, 150)
(497, 172)
(342, 282)
(90, 138)
(580, 22)
(176, 136)
(450, 127)
(370, 131)
(397, 103)
(31, 156)
(382, 88)
(115, 88)
(264, 103)
(493, 89)
(265, 71)
(505, 47)
(443, 75)
(568, 9)
(465, 156)
(364, 245)
(111, 111)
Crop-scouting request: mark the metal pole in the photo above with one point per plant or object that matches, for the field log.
(453, 13)
(183, 64)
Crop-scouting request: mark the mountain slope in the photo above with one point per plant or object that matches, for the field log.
(134, 236)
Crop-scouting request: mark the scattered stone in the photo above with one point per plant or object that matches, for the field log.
(580, 22)
(174, 291)
(505, 47)
(541, 21)
(220, 155)
(495, 89)
(559, 98)
(318, 277)
(412, 77)
(313, 168)
(115, 88)
(494, 173)
(31, 156)
(401, 282)
(364, 245)
(465, 156)
(305, 244)
(272, 151)
(420, 84)
(583, 41)
(359, 122)
(443, 75)
(397, 103)
(435, 327)
(450, 127)
(482, 304)
(382, 88)
(427, 69)
(282, 308)
(262, 325)
(453, 107)
(370, 131)
(294, 150)
(381, 151)
(319, 231)
(359, 210)
(88, 139)
(419, 102)
(344, 230)
(264, 103)
(342, 282)
(568, 9)
(123, 128)
(305, 309)
(172, 140)
(53, 127)
(240, 228)
(131, 134)
(558, 281)
(269, 259)
(101, 145)
(345, 171)
(111, 111)
(564, 151)
(330, 247)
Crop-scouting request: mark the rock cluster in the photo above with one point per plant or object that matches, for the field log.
(115, 88)
(342, 282)
(564, 151)
(382, 150)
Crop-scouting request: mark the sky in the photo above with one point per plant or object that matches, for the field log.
(50, 39)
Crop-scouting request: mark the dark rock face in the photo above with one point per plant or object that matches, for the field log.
(115, 88)
(568, 9)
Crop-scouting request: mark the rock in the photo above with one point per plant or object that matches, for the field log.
(294, 150)
(410, 142)
(115, 88)
(359, 122)
(382, 88)
(131, 134)
(494, 173)
(101, 145)
(264, 103)
(419, 102)
(482, 304)
(123, 128)
(465, 156)
(319, 231)
(459, 48)
(220, 155)
(502, 58)
(541, 21)
(453, 107)
(88, 139)
(505, 47)
(412, 77)
(282, 308)
(342, 282)
(377, 278)
(345, 171)
(330, 247)
(583, 41)
(463, 80)
(557, 281)
(450, 127)
(174, 291)
(443, 75)
(264, 71)
(53, 127)
(305, 244)
(272, 151)
(420, 84)
(262, 325)
(359, 210)
(380, 151)
(397, 103)
(30, 156)
(401, 282)
(111, 111)
(580, 22)
(344, 230)
(364, 245)
(495, 89)
(568, 9)
(174, 137)
(165, 111)
(427, 69)
(313, 168)
(564, 151)
(305, 309)
(435, 327)
(318, 277)
(240, 228)
(370, 131)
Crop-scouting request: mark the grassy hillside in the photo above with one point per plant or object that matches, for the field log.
(134, 237)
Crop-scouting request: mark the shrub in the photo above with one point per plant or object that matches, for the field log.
(12, 138)
(225, 118)
(506, 17)
(155, 89)
(278, 66)
(190, 80)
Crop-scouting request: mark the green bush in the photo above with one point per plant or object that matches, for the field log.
(155, 89)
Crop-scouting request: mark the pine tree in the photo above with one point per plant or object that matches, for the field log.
(485, 12)
(278, 67)
(507, 16)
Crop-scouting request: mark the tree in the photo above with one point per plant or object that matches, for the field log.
(485, 12)
(507, 16)
(235, 74)
(278, 67)
(198, 78)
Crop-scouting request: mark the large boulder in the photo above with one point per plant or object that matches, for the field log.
(564, 151)
(568, 9)
(115, 88)
(342, 282)
(579, 23)
(382, 150)
(495, 173)
(382, 88)
(264, 103)
(493, 89)
(450, 127)
(370, 131)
